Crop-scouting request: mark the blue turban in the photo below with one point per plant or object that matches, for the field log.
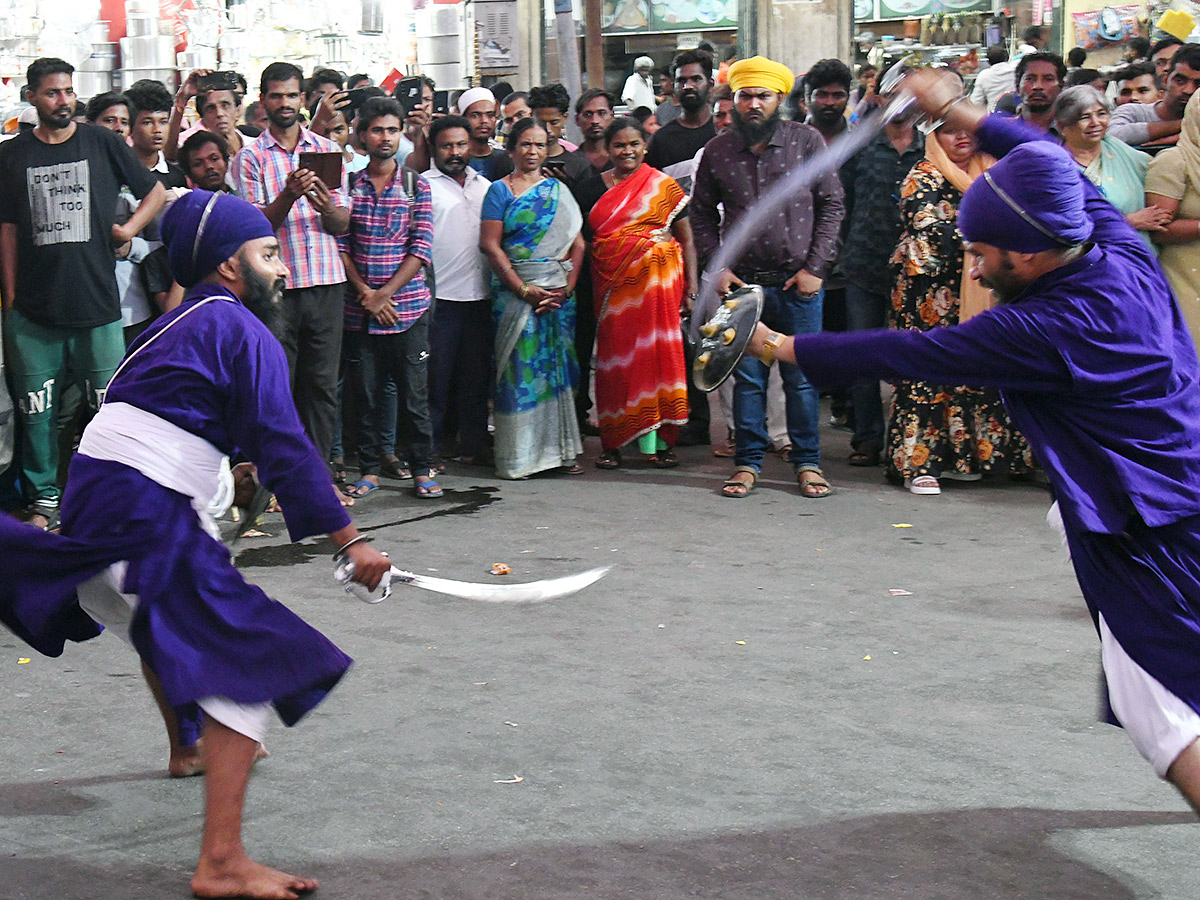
(1030, 201)
(203, 229)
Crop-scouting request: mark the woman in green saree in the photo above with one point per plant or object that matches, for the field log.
(530, 235)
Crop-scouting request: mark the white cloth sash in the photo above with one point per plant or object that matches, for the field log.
(164, 453)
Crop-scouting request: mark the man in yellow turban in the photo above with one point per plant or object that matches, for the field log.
(760, 72)
(789, 259)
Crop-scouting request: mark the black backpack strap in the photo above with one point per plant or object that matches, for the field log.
(410, 187)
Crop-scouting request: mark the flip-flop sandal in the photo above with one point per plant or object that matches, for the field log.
(395, 467)
(609, 459)
(360, 489)
(428, 490)
(810, 488)
(864, 459)
(573, 469)
(338, 464)
(735, 488)
(665, 459)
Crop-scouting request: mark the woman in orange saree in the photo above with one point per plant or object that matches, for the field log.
(645, 272)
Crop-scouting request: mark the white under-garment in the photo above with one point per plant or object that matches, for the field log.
(101, 598)
(1160, 724)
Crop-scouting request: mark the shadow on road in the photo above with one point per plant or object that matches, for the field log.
(987, 853)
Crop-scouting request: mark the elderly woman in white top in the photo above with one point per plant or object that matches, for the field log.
(1082, 114)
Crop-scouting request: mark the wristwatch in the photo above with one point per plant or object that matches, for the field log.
(770, 346)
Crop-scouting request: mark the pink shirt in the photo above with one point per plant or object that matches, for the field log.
(307, 249)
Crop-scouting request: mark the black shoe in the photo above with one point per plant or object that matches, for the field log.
(587, 429)
(693, 437)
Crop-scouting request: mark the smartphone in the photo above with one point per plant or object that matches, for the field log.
(441, 103)
(326, 165)
(219, 81)
(408, 92)
(356, 98)
(555, 166)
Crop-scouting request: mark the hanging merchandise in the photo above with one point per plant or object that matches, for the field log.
(1104, 27)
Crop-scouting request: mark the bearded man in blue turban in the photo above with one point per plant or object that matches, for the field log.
(1098, 370)
(139, 551)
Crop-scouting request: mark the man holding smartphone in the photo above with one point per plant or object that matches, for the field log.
(307, 216)
(219, 98)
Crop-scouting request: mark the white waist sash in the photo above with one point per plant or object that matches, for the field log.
(164, 453)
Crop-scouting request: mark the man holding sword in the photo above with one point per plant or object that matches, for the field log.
(138, 550)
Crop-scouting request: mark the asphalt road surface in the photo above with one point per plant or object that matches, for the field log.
(874, 695)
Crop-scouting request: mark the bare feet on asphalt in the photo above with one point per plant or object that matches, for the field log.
(243, 877)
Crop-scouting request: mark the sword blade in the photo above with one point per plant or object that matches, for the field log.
(529, 592)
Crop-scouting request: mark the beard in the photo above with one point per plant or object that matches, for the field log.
(692, 101)
(452, 166)
(827, 115)
(283, 117)
(58, 119)
(1003, 284)
(756, 132)
(261, 295)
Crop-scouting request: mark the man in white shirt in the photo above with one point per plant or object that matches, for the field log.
(460, 336)
(996, 80)
(639, 87)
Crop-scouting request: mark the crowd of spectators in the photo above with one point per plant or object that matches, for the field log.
(466, 284)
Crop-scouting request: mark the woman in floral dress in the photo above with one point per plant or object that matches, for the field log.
(940, 431)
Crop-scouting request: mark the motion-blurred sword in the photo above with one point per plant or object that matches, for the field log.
(528, 592)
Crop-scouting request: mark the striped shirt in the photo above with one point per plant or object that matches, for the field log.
(385, 229)
(307, 249)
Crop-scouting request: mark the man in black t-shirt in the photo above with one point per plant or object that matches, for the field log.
(550, 104)
(683, 138)
(59, 185)
(478, 106)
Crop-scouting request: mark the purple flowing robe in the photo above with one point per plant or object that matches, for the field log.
(1098, 370)
(200, 627)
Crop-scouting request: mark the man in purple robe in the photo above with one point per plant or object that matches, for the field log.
(139, 551)
(1099, 372)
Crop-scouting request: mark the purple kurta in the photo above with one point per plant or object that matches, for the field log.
(204, 631)
(1098, 371)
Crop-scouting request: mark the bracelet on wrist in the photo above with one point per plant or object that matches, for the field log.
(341, 551)
(773, 342)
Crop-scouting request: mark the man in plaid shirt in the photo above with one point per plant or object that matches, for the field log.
(308, 216)
(386, 251)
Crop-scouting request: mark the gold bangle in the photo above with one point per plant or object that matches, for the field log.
(524, 290)
(773, 342)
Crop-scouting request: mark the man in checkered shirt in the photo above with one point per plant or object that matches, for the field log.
(387, 252)
(308, 216)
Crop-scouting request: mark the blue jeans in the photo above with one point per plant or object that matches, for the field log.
(866, 310)
(790, 313)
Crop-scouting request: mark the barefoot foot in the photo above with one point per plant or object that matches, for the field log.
(186, 762)
(243, 877)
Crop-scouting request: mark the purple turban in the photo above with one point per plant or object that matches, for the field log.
(203, 229)
(1030, 201)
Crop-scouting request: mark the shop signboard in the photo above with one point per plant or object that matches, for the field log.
(865, 10)
(649, 16)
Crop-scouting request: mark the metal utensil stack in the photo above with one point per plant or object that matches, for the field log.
(148, 49)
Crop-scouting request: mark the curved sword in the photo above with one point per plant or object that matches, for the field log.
(528, 592)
